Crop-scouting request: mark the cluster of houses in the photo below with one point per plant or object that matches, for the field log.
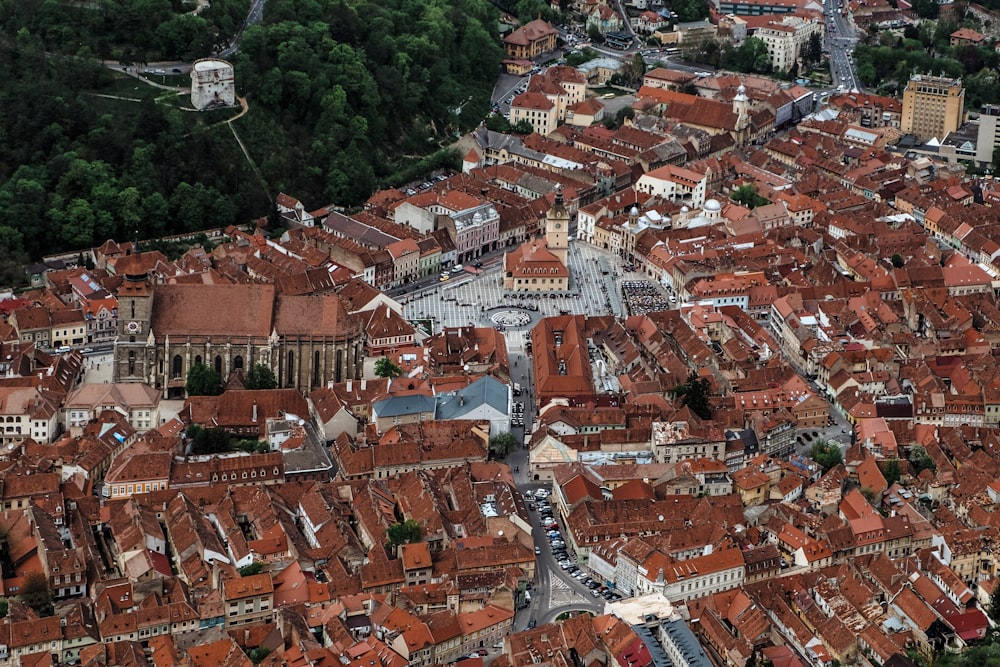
(812, 275)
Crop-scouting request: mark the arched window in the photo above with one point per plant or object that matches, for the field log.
(176, 365)
(238, 362)
(316, 368)
(197, 359)
(218, 365)
(290, 373)
(131, 362)
(338, 371)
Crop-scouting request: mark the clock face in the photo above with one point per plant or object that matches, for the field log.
(132, 327)
(558, 225)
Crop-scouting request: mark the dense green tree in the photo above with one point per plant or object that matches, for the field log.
(694, 393)
(4, 608)
(634, 69)
(897, 261)
(258, 654)
(203, 381)
(920, 459)
(387, 368)
(750, 56)
(209, 440)
(892, 471)
(746, 195)
(503, 444)
(812, 53)
(251, 569)
(690, 10)
(338, 105)
(260, 376)
(994, 609)
(36, 594)
(926, 9)
(827, 454)
(407, 532)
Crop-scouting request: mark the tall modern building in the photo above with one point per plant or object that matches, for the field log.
(933, 106)
(988, 136)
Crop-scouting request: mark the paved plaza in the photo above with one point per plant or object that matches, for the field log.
(480, 300)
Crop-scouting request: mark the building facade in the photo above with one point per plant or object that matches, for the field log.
(933, 106)
(165, 330)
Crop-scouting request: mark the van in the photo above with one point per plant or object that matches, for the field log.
(517, 389)
(63, 349)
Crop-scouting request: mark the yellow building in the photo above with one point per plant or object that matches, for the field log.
(530, 40)
(933, 106)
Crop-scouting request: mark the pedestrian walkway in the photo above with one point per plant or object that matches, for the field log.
(594, 290)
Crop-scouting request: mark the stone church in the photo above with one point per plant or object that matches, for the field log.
(164, 330)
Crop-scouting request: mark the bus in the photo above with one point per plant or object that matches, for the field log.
(671, 52)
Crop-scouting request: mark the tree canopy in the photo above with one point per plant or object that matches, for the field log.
(746, 195)
(826, 454)
(750, 56)
(203, 381)
(260, 376)
(694, 393)
(387, 368)
(35, 593)
(503, 443)
(405, 533)
(343, 95)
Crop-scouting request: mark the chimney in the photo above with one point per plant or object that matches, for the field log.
(388, 311)
(350, 383)
(255, 412)
(364, 384)
(461, 400)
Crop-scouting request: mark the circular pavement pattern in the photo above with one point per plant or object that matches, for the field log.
(510, 318)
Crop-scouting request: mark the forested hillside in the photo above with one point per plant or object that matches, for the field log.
(342, 95)
(348, 86)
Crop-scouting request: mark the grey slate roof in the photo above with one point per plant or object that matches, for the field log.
(398, 406)
(487, 390)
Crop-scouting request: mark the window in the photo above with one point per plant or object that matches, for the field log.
(176, 366)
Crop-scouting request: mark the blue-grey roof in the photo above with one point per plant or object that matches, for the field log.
(487, 390)
(656, 652)
(398, 406)
(679, 634)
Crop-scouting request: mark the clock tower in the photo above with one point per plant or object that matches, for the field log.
(133, 354)
(557, 228)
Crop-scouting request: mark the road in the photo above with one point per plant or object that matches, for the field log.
(840, 41)
(256, 15)
(163, 68)
(555, 592)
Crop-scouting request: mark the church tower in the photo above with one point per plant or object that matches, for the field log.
(133, 351)
(557, 228)
(741, 107)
